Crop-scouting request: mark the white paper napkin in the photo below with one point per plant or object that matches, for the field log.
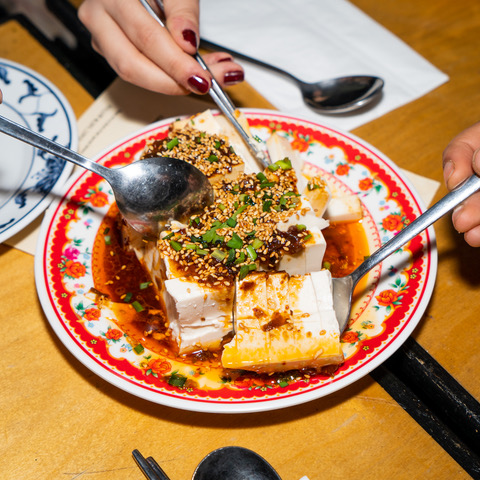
(314, 40)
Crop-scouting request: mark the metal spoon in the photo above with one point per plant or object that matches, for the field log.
(336, 95)
(234, 463)
(149, 193)
(343, 287)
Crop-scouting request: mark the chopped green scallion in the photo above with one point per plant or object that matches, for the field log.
(240, 259)
(231, 222)
(219, 254)
(172, 143)
(231, 256)
(266, 205)
(257, 243)
(285, 164)
(235, 242)
(261, 176)
(175, 245)
(243, 272)
(137, 306)
(251, 252)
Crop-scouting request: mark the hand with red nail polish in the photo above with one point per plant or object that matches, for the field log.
(153, 57)
(461, 159)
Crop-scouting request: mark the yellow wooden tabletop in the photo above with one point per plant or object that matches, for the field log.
(61, 421)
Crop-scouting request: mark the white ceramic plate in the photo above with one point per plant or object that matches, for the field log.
(27, 175)
(382, 318)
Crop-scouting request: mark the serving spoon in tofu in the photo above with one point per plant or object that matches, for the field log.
(343, 287)
(149, 193)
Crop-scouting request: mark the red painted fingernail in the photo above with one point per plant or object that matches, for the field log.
(227, 59)
(199, 84)
(231, 78)
(190, 37)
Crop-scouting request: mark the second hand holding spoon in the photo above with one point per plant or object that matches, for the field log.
(149, 193)
(335, 95)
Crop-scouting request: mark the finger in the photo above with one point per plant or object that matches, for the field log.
(467, 216)
(157, 44)
(476, 161)
(457, 157)
(182, 23)
(472, 237)
(224, 69)
(1, 97)
(129, 63)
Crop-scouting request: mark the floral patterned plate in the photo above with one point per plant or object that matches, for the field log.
(27, 175)
(383, 316)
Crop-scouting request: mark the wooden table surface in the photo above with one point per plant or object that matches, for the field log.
(60, 421)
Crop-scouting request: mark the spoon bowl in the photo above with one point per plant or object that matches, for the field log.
(343, 287)
(341, 95)
(335, 95)
(234, 463)
(149, 193)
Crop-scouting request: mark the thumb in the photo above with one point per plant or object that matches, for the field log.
(476, 161)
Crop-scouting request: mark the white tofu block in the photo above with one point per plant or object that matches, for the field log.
(304, 335)
(309, 259)
(318, 194)
(322, 284)
(236, 141)
(219, 125)
(345, 208)
(203, 122)
(278, 149)
(304, 215)
(277, 293)
(252, 296)
(192, 307)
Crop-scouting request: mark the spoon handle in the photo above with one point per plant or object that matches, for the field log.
(214, 46)
(443, 206)
(43, 143)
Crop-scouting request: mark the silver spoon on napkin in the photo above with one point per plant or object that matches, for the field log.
(335, 95)
(149, 193)
(343, 287)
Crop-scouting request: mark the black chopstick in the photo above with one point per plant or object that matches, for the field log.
(149, 467)
(157, 469)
